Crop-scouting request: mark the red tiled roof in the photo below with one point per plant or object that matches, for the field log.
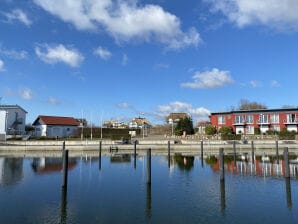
(53, 120)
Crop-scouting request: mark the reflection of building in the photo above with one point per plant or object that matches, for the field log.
(258, 168)
(53, 126)
(49, 165)
(245, 121)
(184, 162)
(11, 170)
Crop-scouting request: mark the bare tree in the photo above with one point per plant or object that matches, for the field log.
(250, 105)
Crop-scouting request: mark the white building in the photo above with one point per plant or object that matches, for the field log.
(12, 120)
(53, 126)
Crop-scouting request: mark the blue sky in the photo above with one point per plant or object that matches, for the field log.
(105, 59)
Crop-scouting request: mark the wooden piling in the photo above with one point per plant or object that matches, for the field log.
(221, 164)
(252, 152)
(286, 161)
(234, 150)
(169, 154)
(135, 154)
(202, 149)
(99, 155)
(64, 168)
(148, 166)
(222, 195)
(288, 192)
(276, 151)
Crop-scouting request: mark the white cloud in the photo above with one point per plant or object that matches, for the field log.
(19, 15)
(124, 20)
(59, 53)
(2, 66)
(26, 94)
(182, 107)
(102, 53)
(280, 14)
(209, 79)
(19, 55)
(53, 101)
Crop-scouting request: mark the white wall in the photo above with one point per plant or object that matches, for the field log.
(2, 122)
(292, 127)
(55, 130)
(239, 130)
(11, 118)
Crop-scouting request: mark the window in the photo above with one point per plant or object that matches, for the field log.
(249, 119)
(263, 118)
(250, 130)
(239, 119)
(274, 118)
(221, 119)
(291, 118)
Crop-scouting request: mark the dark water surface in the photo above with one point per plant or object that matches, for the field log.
(188, 191)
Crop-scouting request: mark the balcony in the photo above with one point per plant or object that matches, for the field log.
(239, 123)
(263, 122)
(291, 121)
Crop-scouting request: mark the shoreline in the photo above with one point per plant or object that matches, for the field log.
(158, 147)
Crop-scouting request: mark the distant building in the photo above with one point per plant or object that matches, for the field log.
(139, 122)
(245, 121)
(114, 124)
(53, 126)
(175, 117)
(201, 125)
(12, 120)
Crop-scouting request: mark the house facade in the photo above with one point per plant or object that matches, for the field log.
(12, 120)
(139, 122)
(54, 126)
(246, 121)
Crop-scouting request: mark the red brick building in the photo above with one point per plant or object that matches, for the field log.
(245, 121)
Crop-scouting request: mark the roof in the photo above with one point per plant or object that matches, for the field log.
(175, 116)
(5, 107)
(54, 120)
(256, 111)
(140, 121)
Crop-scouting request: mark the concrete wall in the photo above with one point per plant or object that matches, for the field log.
(54, 130)
(2, 122)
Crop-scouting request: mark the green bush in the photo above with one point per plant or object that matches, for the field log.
(284, 134)
(210, 130)
(226, 130)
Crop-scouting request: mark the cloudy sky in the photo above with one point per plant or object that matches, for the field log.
(118, 59)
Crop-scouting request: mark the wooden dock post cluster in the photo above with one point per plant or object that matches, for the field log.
(252, 152)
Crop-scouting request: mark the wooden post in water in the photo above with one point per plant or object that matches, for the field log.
(99, 155)
(222, 195)
(64, 168)
(288, 192)
(252, 152)
(234, 149)
(221, 164)
(63, 214)
(135, 154)
(169, 154)
(277, 154)
(148, 166)
(202, 149)
(286, 161)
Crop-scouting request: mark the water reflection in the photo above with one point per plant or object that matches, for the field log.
(260, 167)
(48, 165)
(63, 215)
(288, 192)
(119, 158)
(148, 201)
(222, 195)
(184, 162)
(11, 171)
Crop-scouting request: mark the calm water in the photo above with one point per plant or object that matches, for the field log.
(188, 191)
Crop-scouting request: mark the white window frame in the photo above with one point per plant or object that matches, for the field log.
(221, 119)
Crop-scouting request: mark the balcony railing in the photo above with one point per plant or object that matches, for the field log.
(291, 121)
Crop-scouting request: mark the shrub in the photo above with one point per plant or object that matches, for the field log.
(210, 130)
(284, 134)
